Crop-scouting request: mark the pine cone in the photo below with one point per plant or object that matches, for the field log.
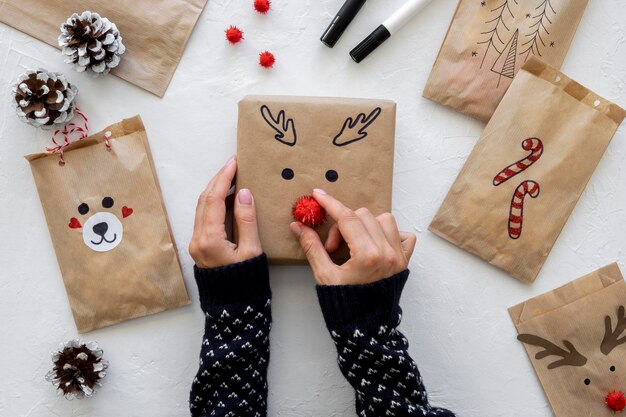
(44, 99)
(78, 368)
(91, 43)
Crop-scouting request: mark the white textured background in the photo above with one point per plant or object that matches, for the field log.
(455, 305)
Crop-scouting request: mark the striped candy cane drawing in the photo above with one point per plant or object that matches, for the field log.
(535, 146)
(516, 213)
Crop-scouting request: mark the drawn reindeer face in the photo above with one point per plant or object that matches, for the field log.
(287, 146)
(600, 376)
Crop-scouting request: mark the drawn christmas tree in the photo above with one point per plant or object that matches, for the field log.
(505, 64)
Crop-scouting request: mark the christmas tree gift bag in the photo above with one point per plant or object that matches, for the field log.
(287, 146)
(575, 337)
(528, 170)
(488, 41)
(154, 32)
(109, 227)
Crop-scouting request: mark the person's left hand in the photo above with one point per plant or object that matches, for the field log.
(210, 247)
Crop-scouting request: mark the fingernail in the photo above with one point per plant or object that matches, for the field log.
(319, 191)
(245, 197)
(296, 229)
(231, 160)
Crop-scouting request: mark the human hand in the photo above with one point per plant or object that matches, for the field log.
(210, 247)
(377, 248)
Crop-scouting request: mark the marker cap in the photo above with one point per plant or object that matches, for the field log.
(340, 23)
(369, 44)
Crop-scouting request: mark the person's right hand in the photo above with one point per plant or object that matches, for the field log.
(378, 249)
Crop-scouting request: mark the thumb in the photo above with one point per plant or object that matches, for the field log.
(249, 244)
(315, 252)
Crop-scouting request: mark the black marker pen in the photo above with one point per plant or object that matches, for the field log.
(345, 15)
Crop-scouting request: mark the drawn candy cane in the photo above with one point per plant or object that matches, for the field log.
(535, 146)
(516, 214)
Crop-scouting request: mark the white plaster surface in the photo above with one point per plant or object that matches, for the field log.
(455, 304)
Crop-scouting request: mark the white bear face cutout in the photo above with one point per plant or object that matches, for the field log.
(103, 230)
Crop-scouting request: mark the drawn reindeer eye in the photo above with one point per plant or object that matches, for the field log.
(288, 174)
(107, 202)
(587, 381)
(331, 175)
(612, 368)
(83, 209)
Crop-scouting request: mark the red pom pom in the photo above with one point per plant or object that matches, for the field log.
(309, 212)
(615, 401)
(234, 34)
(262, 6)
(267, 59)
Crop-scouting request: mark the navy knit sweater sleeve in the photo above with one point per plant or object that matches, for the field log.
(372, 353)
(232, 378)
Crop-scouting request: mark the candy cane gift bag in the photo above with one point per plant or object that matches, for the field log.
(575, 337)
(109, 227)
(528, 170)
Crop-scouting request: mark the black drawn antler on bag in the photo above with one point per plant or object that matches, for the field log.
(285, 128)
(612, 337)
(356, 129)
(569, 357)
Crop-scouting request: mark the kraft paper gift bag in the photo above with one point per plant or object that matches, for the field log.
(287, 146)
(109, 228)
(575, 337)
(528, 170)
(155, 32)
(488, 42)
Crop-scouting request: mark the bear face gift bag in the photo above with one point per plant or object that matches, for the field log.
(489, 41)
(287, 146)
(522, 180)
(109, 227)
(575, 337)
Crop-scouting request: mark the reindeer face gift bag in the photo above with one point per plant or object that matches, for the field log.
(109, 227)
(488, 42)
(575, 337)
(522, 180)
(287, 146)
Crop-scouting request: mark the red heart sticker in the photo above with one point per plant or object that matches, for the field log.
(126, 211)
(74, 223)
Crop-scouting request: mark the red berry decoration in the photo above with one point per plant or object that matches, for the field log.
(267, 59)
(262, 6)
(234, 34)
(615, 401)
(309, 212)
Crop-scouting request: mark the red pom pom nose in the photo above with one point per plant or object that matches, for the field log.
(262, 6)
(615, 401)
(309, 212)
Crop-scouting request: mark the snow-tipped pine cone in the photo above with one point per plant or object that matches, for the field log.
(78, 369)
(44, 99)
(91, 42)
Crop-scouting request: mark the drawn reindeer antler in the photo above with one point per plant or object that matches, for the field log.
(285, 128)
(355, 129)
(570, 356)
(612, 337)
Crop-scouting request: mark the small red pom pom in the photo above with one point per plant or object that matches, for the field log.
(267, 59)
(615, 401)
(309, 212)
(234, 34)
(262, 6)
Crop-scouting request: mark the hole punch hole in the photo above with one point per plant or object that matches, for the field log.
(596, 103)
(558, 78)
(61, 163)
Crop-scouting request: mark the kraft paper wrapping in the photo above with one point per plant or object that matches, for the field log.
(139, 272)
(362, 157)
(586, 313)
(155, 32)
(489, 41)
(514, 224)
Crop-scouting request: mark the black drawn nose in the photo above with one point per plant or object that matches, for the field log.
(101, 228)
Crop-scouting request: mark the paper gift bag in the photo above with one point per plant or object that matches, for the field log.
(155, 32)
(527, 171)
(487, 43)
(287, 146)
(575, 337)
(109, 228)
